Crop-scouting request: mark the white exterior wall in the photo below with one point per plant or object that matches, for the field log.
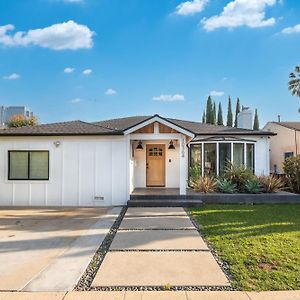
(81, 168)
(172, 167)
(281, 143)
(262, 156)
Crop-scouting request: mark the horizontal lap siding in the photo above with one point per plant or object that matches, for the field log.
(80, 169)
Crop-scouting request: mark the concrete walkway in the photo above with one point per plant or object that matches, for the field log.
(158, 247)
(284, 295)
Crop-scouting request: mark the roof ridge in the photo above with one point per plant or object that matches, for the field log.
(97, 125)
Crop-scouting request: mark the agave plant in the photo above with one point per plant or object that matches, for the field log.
(204, 184)
(271, 184)
(253, 186)
(238, 175)
(226, 186)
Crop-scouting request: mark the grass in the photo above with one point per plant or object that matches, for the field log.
(260, 243)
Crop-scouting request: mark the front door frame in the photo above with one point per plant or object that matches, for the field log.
(163, 146)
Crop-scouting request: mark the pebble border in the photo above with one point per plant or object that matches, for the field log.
(85, 282)
(223, 264)
(163, 288)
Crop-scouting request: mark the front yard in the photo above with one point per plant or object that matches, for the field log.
(260, 243)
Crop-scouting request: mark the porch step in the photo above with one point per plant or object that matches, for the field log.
(163, 201)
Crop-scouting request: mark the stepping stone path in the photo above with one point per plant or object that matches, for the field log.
(157, 247)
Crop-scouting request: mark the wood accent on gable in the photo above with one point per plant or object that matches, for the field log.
(165, 129)
(147, 129)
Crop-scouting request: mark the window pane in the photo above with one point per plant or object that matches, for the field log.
(39, 165)
(18, 165)
(238, 154)
(196, 155)
(210, 159)
(224, 156)
(250, 156)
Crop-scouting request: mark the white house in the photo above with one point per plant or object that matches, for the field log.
(102, 163)
(283, 145)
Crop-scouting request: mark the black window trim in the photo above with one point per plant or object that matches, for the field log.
(28, 171)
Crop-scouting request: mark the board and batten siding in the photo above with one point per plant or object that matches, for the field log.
(81, 168)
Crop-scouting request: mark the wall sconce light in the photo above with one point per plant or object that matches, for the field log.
(56, 144)
(139, 146)
(171, 145)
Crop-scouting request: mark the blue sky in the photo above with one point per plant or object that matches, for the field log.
(146, 57)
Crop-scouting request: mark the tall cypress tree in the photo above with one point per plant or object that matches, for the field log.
(203, 117)
(220, 115)
(237, 111)
(214, 115)
(229, 113)
(209, 111)
(256, 121)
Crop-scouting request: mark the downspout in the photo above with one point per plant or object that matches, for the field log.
(296, 146)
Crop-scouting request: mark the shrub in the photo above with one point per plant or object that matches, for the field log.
(205, 184)
(225, 186)
(271, 184)
(291, 168)
(21, 121)
(238, 175)
(252, 186)
(195, 173)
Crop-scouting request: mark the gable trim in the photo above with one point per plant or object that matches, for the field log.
(157, 118)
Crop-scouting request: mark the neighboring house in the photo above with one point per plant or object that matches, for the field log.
(99, 164)
(6, 112)
(285, 144)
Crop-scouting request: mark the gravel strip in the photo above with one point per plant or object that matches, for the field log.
(223, 264)
(159, 250)
(163, 288)
(88, 276)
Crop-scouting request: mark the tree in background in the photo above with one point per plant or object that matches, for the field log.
(214, 115)
(220, 115)
(229, 113)
(209, 111)
(237, 111)
(256, 121)
(204, 117)
(294, 83)
(21, 121)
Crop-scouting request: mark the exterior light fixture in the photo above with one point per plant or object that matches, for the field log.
(139, 146)
(56, 144)
(171, 145)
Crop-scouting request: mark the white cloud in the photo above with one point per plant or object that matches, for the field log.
(237, 13)
(216, 93)
(110, 92)
(87, 72)
(76, 100)
(13, 76)
(291, 30)
(190, 7)
(69, 70)
(62, 36)
(169, 97)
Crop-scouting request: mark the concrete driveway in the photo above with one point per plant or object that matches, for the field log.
(49, 249)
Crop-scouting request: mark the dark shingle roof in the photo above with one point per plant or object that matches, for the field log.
(290, 125)
(118, 126)
(195, 127)
(63, 128)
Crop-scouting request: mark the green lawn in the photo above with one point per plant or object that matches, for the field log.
(260, 243)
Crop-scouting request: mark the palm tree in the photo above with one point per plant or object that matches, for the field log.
(294, 83)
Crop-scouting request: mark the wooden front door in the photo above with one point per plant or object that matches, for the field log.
(155, 165)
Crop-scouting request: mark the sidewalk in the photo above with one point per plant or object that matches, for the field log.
(284, 295)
